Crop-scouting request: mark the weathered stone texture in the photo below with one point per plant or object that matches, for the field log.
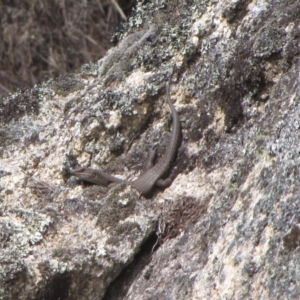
(228, 227)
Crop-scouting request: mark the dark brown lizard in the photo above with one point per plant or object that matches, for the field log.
(153, 174)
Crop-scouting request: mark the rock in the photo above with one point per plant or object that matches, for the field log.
(227, 227)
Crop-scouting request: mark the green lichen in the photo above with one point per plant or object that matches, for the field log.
(116, 209)
(90, 69)
(66, 84)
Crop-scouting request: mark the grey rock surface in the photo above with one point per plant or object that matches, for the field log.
(227, 228)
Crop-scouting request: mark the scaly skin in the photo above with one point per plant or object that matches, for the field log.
(152, 176)
(145, 182)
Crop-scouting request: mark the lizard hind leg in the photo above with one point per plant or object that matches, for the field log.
(164, 183)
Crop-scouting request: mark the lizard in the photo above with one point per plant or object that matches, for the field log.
(153, 174)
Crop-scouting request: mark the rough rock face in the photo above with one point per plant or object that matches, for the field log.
(227, 228)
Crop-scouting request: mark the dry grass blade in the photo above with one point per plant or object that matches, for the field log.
(43, 190)
(42, 39)
(118, 8)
